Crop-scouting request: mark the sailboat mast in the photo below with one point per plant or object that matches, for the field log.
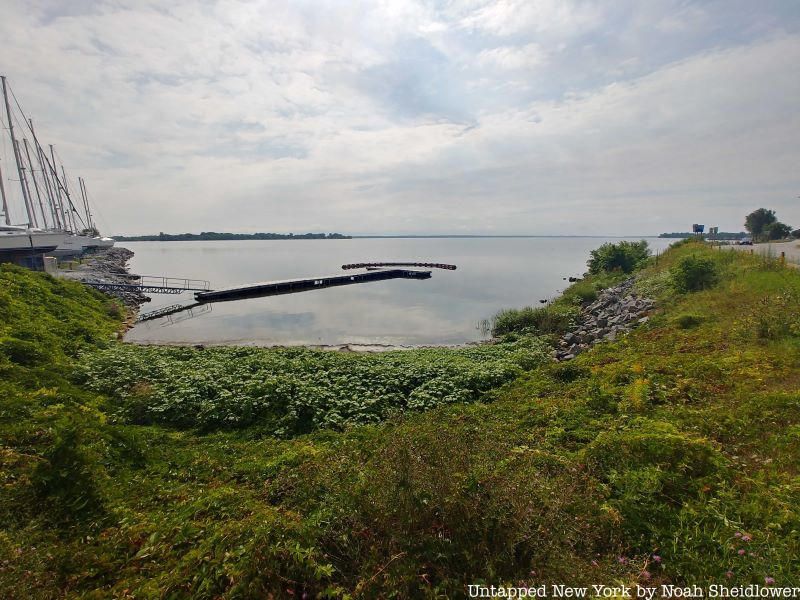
(3, 197)
(85, 196)
(58, 187)
(72, 210)
(15, 147)
(26, 190)
(35, 184)
(46, 176)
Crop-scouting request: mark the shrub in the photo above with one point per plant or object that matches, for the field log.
(622, 256)
(541, 320)
(688, 321)
(66, 477)
(693, 273)
(22, 352)
(651, 468)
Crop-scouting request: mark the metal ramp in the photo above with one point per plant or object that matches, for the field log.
(153, 284)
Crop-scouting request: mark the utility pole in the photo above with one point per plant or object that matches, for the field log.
(15, 147)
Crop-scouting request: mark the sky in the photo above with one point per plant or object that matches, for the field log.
(415, 117)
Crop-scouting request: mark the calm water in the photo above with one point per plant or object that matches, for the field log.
(493, 273)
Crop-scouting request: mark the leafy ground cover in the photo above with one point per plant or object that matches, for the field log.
(670, 456)
(294, 390)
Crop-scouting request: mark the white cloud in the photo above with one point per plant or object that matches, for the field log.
(508, 17)
(512, 58)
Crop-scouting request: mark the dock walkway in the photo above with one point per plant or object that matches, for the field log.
(290, 286)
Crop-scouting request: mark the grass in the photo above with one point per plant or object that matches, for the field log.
(676, 442)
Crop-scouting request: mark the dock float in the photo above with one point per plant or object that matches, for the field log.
(376, 265)
(291, 286)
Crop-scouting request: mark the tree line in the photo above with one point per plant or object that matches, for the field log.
(213, 235)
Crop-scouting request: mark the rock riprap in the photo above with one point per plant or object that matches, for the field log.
(616, 311)
(108, 265)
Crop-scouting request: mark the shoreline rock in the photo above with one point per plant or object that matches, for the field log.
(108, 265)
(615, 313)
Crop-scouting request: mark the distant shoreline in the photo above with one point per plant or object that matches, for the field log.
(336, 236)
(212, 236)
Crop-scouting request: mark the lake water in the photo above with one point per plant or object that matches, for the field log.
(453, 307)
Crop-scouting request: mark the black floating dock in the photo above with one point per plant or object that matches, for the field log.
(379, 265)
(290, 286)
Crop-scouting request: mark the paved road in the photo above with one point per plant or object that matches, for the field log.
(792, 250)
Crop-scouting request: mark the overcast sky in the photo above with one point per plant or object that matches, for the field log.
(398, 116)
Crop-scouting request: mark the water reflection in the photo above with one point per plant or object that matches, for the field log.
(492, 274)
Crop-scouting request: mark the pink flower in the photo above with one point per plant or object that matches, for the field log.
(746, 538)
(656, 558)
(737, 534)
(595, 564)
(769, 580)
(741, 552)
(645, 575)
(622, 560)
(729, 574)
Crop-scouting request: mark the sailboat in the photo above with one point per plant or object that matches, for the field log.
(54, 225)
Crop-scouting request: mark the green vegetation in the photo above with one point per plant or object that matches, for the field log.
(622, 256)
(213, 236)
(286, 392)
(669, 456)
(694, 272)
(543, 320)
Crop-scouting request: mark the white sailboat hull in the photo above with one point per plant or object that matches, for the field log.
(101, 242)
(29, 241)
(72, 245)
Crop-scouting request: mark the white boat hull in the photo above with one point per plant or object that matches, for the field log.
(98, 242)
(72, 245)
(29, 241)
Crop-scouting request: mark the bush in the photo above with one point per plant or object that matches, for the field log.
(693, 273)
(622, 256)
(66, 476)
(688, 321)
(541, 320)
(650, 467)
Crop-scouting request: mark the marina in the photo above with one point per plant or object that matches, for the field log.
(47, 213)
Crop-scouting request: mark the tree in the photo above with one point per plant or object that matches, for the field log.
(777, 231)
(758, 220)
(796, 233)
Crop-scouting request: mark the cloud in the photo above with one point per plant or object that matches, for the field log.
(512, 57)
(403, 116)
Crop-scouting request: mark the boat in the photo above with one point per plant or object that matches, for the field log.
(54, 224)
(24, 240)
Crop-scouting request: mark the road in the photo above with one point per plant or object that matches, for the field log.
(792, 250)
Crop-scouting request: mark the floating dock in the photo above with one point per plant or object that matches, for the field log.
(291, 286)
(379, 265)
